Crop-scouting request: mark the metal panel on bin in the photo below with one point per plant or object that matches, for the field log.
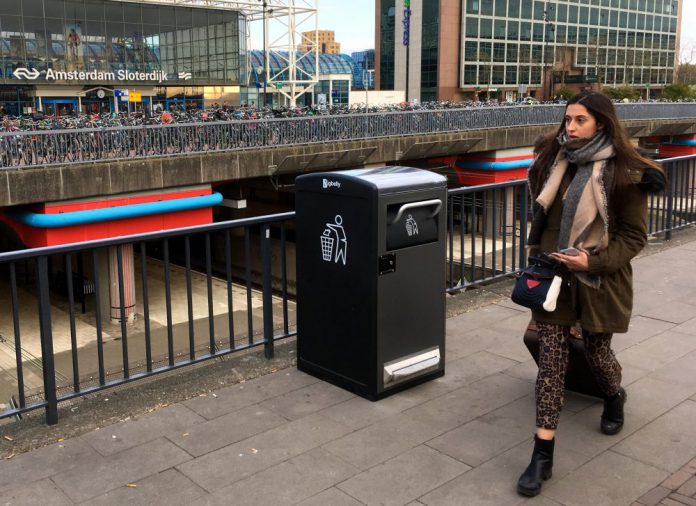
(370, 277)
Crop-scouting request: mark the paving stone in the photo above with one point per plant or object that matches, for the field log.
(526, 370)
(43, 492)
(474, 367)
(359, 412)
(90, 479)
(674, 311)
(668, 442)
(689, 501)
(403, 478)
(640, 328)
(679, 372)
(677, 479)
(237, 461)
(46, 462)
(654, 496)
(381, 441)
(251, 392)
(286, 483)
(225, 430)
(495, 482)
(482, 317)
(497, 432)
(651, 396)
(307, 400)
(688, 488)
(670, 501)
(688, 327)
(463, 342)
(658, 351)
(139, 430)
(609, 478)
(333, 497)
(169, 487)
(470, 401)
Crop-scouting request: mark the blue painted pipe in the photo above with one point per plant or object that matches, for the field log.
(510, 164)
(114, 213)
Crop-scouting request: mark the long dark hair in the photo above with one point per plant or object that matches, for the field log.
(602, 110)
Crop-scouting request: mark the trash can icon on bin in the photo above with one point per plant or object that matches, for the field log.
(370, 277)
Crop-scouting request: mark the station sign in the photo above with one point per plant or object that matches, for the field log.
(158, 76)
(120, 93)
(135, 96)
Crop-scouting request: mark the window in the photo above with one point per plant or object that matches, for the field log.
(471, 27)
(500, 8)
(499, 52)
(514, 8)
(470, 50)
(500, 32)
(486, 28)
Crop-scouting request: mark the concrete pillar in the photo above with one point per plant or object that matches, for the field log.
(128, 268)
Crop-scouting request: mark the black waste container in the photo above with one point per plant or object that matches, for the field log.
(370, 277)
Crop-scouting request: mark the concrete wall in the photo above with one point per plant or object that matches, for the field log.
(61, 182)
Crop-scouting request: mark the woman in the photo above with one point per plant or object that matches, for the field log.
(589, 185)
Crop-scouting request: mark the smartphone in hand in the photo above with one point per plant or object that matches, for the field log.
(573, 252)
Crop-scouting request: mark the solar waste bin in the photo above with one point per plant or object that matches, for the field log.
(371, 277)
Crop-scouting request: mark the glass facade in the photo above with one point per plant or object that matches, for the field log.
(363, 61)
(512, 42)
(429, 38)
(110, 42)
(386, 44)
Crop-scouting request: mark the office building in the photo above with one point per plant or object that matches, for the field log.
(326, 41)
(363, 69)
(506, 49)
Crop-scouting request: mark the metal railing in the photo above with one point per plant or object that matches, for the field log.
(23, 149)
(88, 353)
(488, 224)
(208, 291)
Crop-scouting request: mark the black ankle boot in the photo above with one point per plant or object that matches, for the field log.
(539, 468)
(613, 414)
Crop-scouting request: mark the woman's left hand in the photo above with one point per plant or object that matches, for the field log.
(578, 263)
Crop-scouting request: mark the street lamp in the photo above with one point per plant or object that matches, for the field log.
(548, 25)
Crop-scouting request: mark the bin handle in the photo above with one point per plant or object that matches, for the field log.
(424, 203)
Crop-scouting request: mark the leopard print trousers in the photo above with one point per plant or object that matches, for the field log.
(553, 363)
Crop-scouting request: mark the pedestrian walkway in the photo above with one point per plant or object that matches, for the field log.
(463, 439)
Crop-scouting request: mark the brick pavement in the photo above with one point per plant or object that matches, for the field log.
(287, 438)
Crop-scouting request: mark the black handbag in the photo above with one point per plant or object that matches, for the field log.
(537, 287)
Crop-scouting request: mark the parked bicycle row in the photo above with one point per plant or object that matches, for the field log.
(39, 121)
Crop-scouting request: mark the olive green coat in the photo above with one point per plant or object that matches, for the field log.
(607, 308)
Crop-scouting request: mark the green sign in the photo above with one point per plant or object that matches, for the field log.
(647, 85)
(279, 86)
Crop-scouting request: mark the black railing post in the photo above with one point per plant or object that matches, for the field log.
(267, 290)
(524, 213)
(670, 202)
(48, 365)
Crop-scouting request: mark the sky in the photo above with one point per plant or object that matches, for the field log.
(354, 24)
